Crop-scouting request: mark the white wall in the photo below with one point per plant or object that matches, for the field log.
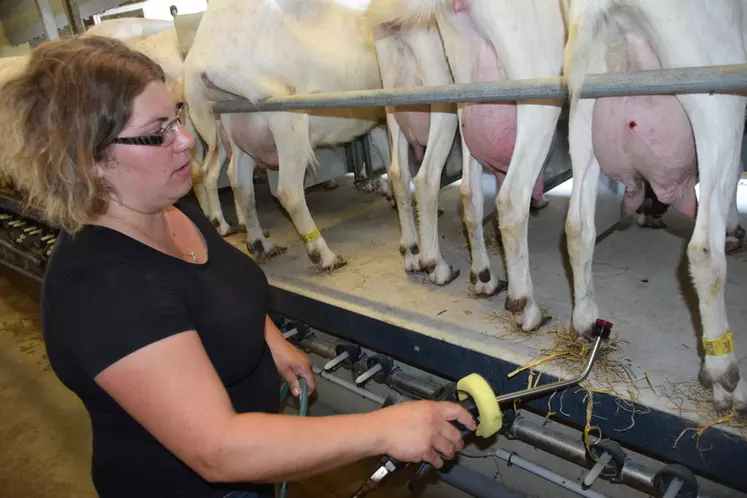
(7, 49)
(159, 9)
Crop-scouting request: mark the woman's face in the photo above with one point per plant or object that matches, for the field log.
(151, 177)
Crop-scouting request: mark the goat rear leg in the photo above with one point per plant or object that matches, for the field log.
(443, 125)
(291, 134)
(211, 188)
(241, 175)
(718, 160)
(535, 129)
(580, 227)
(481, 276)
(399, 176)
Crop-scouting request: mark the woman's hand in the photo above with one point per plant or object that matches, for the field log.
(418, 431)
(292, 363)
(289, 360)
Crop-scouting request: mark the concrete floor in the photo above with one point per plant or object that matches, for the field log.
(44, 430)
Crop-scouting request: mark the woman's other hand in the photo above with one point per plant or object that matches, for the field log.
(289, 360)
(291, 364)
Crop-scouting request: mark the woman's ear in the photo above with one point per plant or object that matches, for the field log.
(104, 164)
(98, 169)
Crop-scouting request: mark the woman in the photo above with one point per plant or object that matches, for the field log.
(149, 316)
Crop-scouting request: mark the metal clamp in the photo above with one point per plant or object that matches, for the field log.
(346, 355)
(609, 459)
(379, 367)
(294, 331)
(676, 481)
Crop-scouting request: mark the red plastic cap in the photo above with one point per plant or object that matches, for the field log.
(604, 323)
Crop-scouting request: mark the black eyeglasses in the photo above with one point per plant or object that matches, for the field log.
(164, 137)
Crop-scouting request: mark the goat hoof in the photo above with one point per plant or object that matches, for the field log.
(657, 223)
(733, 244)
(453, 274)
(515, 306)
(539, 204)
(586, 334)
(264, 256)
(541, 322)
(339, 262)
(224, 229)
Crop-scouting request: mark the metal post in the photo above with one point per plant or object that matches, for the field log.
(709, 79)
(367, 156)
(47, 18)
(73, 16)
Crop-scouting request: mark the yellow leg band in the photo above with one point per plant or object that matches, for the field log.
(490, 416)
(721, 346)
(311, 235)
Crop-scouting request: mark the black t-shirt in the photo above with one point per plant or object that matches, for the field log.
(106, 295)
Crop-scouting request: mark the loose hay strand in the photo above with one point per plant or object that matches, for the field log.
(535, 363)
(700, 401)
(570, 353)
(514, 331)
(610, 372)
(588, 428)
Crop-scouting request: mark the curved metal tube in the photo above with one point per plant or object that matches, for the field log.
(555, 386)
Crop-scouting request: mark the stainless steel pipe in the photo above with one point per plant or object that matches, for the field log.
(634, 474)
(707, 79)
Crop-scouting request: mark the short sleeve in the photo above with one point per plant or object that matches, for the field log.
(100, 315)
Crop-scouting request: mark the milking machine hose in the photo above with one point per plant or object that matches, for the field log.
(303, 406)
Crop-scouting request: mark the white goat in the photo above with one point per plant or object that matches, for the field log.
(489, 40)
(660, 138)
(315, 46)
(408, 57)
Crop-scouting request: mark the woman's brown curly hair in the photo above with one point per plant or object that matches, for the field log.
(58, 119)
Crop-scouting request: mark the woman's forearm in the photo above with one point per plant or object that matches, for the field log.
(272, 333)
(260, 447)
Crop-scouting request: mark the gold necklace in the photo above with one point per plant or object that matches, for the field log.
(191, 253)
